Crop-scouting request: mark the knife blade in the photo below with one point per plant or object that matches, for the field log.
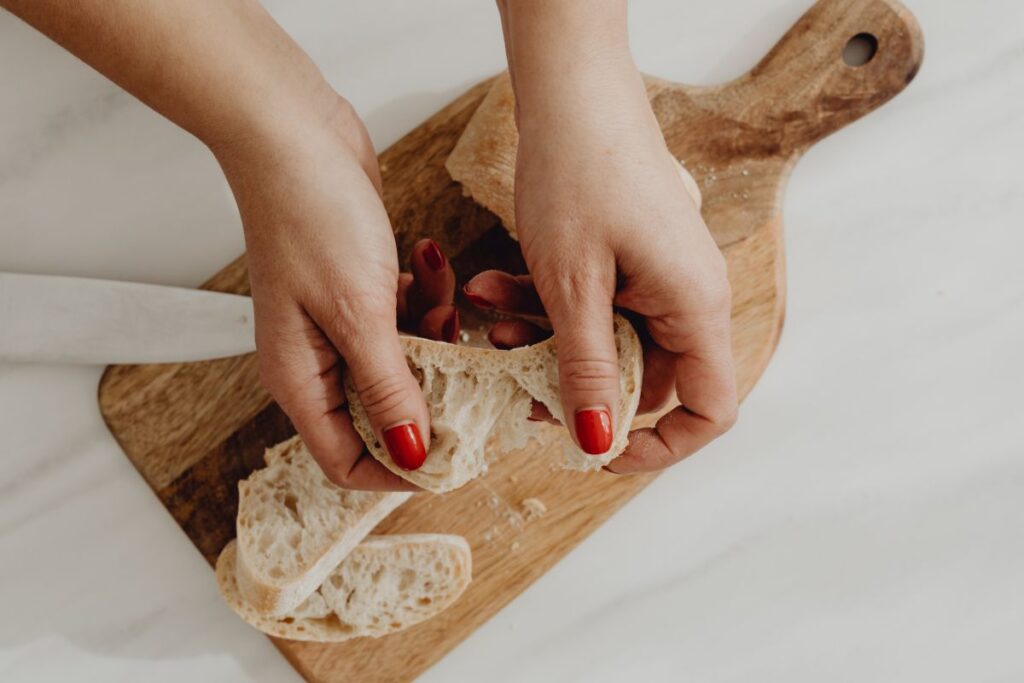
(56, 319)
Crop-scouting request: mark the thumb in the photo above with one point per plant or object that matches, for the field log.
(390, 395)
(588, 363)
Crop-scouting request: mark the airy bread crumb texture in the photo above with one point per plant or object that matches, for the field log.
(294, 526)
(386, 584)
(480, 401)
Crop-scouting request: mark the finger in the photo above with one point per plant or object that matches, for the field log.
(511, 334)
(348, 465)
(579, 305)
(441, 323)
(302, 371)
(512, 294)
(433, 280)
(367, 339)
(706, 387)
(405, 281)
(659, 378)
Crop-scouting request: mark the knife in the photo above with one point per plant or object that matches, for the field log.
(54, 319)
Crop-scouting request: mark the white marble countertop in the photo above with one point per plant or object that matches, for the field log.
(864, 521)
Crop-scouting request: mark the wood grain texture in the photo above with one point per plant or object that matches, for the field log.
(194, 430)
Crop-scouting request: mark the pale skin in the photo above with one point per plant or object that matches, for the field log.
(603, 216)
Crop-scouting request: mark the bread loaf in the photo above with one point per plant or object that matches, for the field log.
(294, 527)
(480, 399)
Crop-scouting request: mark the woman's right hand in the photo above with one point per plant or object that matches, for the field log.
(327, 293)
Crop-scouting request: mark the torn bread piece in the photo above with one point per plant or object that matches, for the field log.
(484, 158)
(480, 401)
(386, 584)
(294, 526)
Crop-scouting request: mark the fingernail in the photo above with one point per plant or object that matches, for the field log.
(450, 327)
(477, 300)
(433, 256)
(405, 445)
(594, 430)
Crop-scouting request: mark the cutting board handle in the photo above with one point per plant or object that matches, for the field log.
(806, 85)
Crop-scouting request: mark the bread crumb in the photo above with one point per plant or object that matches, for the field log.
(488, 535)
(513, 479)
(534, 508)
(494, 501)
(514, 519)
(515, 546)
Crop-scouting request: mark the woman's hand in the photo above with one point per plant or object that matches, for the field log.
(326, 288)
(604, 218)
(322, 259)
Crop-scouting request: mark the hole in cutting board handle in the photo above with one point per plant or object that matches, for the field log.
(859, 50)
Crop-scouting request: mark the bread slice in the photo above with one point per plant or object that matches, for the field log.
(480, 399)
(484, 159)
(386, 584)
(294, 527)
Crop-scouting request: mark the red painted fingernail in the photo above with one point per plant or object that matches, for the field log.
(594, 430)
(450, 328)
(433, 256)
(477, 300)
(405, 446)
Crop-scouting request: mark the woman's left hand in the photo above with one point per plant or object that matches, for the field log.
(604, 219)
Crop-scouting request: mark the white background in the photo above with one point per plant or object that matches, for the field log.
(864, 521)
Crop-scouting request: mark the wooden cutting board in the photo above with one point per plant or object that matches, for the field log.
(193, 430)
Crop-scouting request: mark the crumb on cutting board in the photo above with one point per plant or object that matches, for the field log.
(534, 508)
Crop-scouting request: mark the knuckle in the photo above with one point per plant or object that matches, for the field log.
(588, 374)
(295, 394)
(382, 395)
(357, 311)
(337, 476)
(348, 304)
(568, 277)
(723, 419)
(709, 294)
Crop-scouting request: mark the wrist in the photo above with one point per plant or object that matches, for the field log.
(565, 54)
(302, 129)
(600, 91)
